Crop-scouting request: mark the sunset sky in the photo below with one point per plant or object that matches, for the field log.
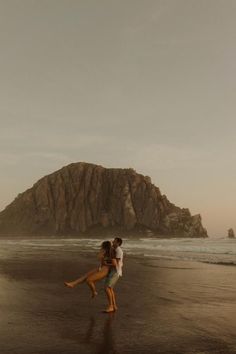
(123, 83)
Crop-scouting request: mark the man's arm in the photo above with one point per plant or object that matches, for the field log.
(114, 262)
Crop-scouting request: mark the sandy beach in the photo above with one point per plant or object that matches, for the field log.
(165, 306)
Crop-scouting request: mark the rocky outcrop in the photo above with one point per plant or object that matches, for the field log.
(231, 233)
(84, 198)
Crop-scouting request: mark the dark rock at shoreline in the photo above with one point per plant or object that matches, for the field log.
(231, 233)
(83, 198)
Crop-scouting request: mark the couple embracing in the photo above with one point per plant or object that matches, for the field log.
(110, 269)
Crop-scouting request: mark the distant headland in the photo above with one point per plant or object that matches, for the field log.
(86, 199)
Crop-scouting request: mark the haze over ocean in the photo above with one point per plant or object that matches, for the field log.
(142, 84)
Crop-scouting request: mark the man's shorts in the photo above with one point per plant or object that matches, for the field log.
(111, 279)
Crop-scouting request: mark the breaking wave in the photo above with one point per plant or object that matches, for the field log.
(216, 251)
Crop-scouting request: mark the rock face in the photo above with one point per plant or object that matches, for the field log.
(231, 233)
(84, 198)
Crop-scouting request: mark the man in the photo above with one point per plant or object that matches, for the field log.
(114, 275)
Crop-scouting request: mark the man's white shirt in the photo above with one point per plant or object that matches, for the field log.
(119, 256)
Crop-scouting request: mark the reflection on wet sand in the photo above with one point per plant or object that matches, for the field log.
(107, 343)
(98, 337)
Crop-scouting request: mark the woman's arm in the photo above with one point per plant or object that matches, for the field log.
(101, 255)
(101, 259)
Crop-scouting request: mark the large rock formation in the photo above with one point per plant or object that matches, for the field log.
(84, 198)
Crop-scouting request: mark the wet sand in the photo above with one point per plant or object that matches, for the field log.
(165, 306)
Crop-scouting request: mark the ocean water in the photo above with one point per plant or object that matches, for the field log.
(211, 250)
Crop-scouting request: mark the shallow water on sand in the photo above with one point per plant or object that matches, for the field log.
(165, 306)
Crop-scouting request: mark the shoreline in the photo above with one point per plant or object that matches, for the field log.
(205, 251)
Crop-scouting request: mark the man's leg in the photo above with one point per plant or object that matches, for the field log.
(113, 299)
(110, 307)
(110, 283)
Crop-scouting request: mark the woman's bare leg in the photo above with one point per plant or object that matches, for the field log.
(81, 279)
(95, 277)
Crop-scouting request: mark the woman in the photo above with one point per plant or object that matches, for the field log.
(107, 260)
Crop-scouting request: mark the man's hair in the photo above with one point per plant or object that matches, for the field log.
(119, 240)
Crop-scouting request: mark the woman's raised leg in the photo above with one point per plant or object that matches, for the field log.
(95, 277)
(81, 279)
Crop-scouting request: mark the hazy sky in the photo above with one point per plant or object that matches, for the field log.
(123, 83)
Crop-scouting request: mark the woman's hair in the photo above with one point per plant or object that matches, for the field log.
(108, 249)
